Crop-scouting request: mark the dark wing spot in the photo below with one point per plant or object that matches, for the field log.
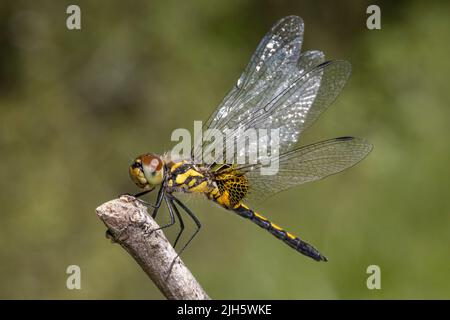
(344, 138)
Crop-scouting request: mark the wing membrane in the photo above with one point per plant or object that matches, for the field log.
(306, 164)
(290, 105)
(275, 56)
(280, 89)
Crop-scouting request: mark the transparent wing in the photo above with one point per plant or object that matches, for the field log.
(280, 89)
(296, 107)
(290, 105)
(279, 49)
(275, 56)
(309, 163)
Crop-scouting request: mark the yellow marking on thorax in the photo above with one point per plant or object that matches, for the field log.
(176, 165)
(181, 178)
(202, 187)
(192, 182)
(170, 183)
(214, 191)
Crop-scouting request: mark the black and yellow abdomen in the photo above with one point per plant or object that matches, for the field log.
(288, 238)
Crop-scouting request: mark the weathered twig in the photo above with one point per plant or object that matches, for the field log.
(129, 224)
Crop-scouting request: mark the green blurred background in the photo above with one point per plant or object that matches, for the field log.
(77, 106)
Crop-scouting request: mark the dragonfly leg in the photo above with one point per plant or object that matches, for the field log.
(177, 213)
(137, 194)
(171, 215)
(148, 204)
(158, 201)
(140, 194)
(193, 216)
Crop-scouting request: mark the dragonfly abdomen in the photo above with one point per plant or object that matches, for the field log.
(288, 238)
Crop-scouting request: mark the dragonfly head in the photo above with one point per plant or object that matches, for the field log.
(147, 170)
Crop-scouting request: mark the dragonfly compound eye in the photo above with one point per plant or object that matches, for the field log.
(153, 168)
(137, 173)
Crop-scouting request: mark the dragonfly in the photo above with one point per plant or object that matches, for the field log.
(281, 88)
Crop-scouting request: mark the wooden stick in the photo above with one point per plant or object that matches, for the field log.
(129, 224)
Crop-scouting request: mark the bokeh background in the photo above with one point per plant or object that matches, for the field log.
(77, 106)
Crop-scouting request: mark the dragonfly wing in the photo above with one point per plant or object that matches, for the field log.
(299, 105)
(305, 164)
(280, 47)
(288, 96)
(276, 56)
(291, 107)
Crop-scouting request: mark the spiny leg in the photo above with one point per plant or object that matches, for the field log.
(192, 215)
(171, 205)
